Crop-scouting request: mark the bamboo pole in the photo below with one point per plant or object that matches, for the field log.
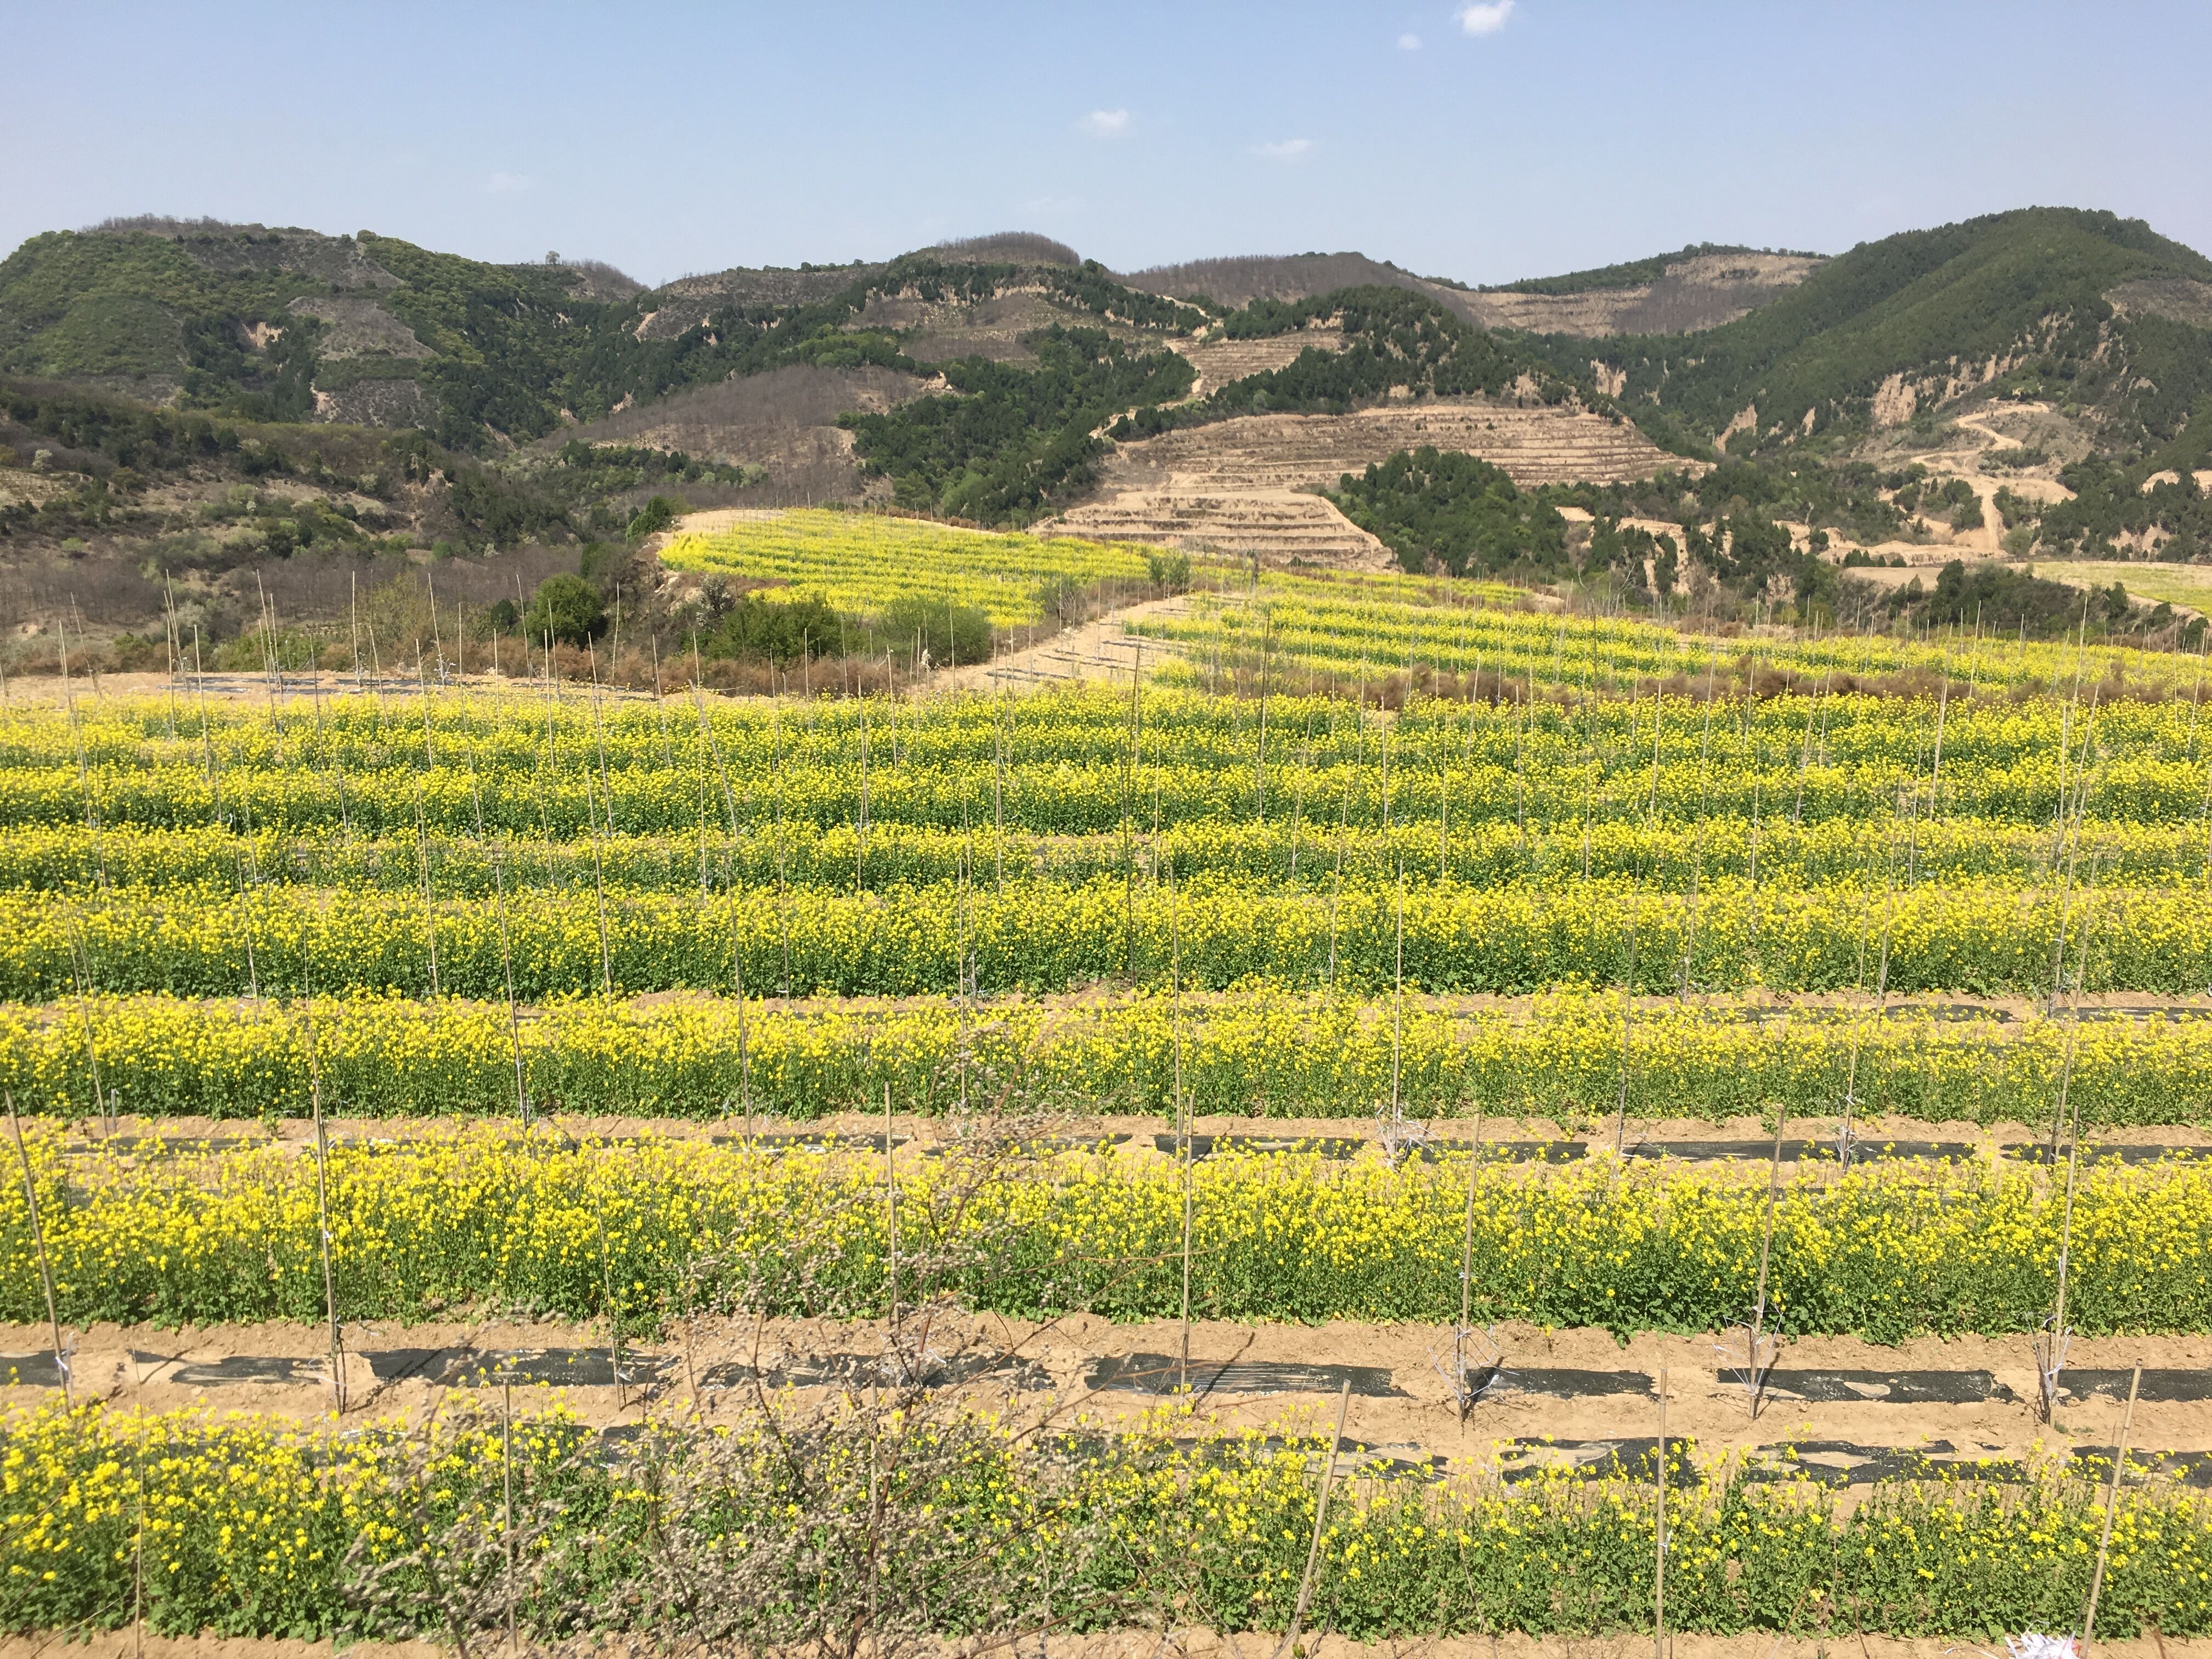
(1183, 1148)
(1460, 1390)
(1755, 1373)
(1659, 1548)
(891, 1229)
(2111, 1507)
(323, 1211)
(39, 1239)
(507, 1497)
(1321, 1519)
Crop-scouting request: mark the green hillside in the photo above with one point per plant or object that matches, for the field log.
(2028, 289)
(1632, 273)
(290, 324)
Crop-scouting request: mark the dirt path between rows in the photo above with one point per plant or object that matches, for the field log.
(1581, 1390)
(1091, 651)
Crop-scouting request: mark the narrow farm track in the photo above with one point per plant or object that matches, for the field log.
(1847, 1411)
(1100, 649)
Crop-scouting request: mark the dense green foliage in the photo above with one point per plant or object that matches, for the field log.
(112, 449)
(2111, 500)
(1393, 339)
(498, 349)
(1006, 442)
(1459, 512)
(2024, 289)
(564, 608)
(757, 628)
(104, 306)
(2002, 599)
(940, 632)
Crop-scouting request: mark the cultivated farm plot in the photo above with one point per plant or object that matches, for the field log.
(1240, 486)
(948, 1163)
(2184, 587)
(1218, 363)
(860, 561)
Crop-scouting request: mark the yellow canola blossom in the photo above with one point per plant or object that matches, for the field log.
(254, 1527)
(488, 1217)
(1258, 1052)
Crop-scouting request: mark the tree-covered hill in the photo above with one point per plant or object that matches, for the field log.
(2032, 303)
(290, 324)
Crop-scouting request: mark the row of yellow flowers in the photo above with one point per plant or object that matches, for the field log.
(1077, 759)
(1310, 852)
(253, 1526)
(488, 1217)
(1269, 1053)
(1043, 936)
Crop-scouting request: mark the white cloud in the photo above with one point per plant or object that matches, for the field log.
(1284, 149)
(1409, 43)
(1485, 17)
(505, 184)
(1105, 122)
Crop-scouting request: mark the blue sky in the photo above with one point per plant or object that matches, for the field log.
(1483, 142)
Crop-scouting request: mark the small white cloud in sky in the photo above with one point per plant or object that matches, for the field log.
(1485, 17)
(1105, 122)
(505, 184)
(1284, 149)
(1409, 43)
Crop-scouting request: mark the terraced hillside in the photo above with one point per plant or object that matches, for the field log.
(1220, 361)
(1699, 288)
(1244, 485)
(1686, 293)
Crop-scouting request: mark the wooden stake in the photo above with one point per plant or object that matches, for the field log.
(1756, 1373)
(1183, 1148)
(890, 1227)
(138, 1551)
(1659, 1553)
(38, 1238)
(1321, 1519)
(323, 1213)
(1467, 1280)
(2112, 1506)
(506, 1509)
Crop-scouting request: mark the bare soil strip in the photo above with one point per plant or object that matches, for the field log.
(1846, 1410)
(1141, 1137)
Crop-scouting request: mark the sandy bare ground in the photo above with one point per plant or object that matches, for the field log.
(1738, 1142)
(1220, 362)
(1101, 649)
(1701, 292)
(1568, 1386)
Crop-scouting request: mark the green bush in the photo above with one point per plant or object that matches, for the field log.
(655, 516)
(568, 608)
(948, 634)
(780, 631)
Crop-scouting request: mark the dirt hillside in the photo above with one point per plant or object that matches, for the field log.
(1244, 486)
